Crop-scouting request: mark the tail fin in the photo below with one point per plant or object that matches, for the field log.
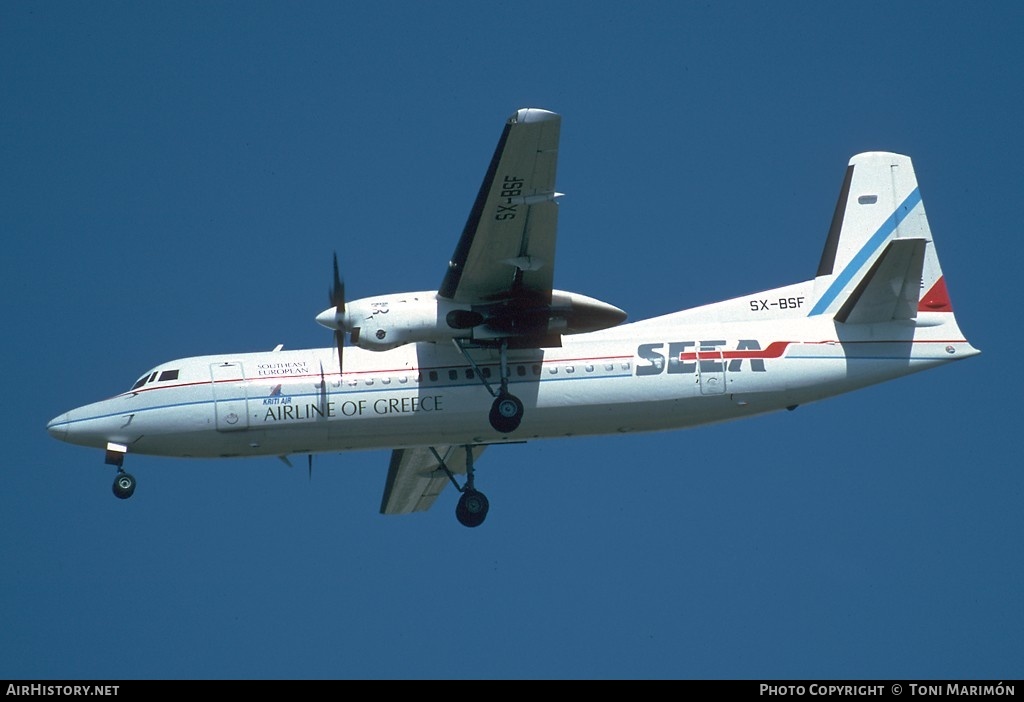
(879, 262)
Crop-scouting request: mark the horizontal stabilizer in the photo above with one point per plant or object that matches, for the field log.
(890, 289)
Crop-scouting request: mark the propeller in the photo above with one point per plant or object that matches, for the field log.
(338, 300)
(334, 316)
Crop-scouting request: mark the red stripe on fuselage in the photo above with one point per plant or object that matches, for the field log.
(774, 350)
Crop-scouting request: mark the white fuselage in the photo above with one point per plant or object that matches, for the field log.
(706, 365)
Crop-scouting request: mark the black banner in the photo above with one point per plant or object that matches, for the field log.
(761, 688)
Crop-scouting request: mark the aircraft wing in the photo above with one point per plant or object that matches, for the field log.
(507, 249)
(415, 478)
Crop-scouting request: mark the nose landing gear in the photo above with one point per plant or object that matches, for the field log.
(124, 483)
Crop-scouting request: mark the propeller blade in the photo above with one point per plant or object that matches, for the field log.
(337, 298)
(339, 339)
(338, 288)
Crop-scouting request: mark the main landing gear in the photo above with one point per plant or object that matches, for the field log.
(506, 412)
(507, 409)
(124, 483)
(473, 506)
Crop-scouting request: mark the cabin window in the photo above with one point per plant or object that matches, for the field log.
(169, 375)
(570, 369)
(589, 368)
(486, 372)
(469, 374)
(453, 375)
(520, 370)
(433, 376)
(536, 369)
(609, 366)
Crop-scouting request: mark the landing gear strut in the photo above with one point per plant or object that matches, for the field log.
(473, 506)
(507, 409)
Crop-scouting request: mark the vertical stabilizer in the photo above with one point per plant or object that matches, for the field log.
(879, 204)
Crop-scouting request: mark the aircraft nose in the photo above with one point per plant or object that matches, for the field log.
(58, 427)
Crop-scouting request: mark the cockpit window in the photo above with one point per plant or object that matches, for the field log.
(150, 377)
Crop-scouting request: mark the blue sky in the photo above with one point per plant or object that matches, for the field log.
(177, 176)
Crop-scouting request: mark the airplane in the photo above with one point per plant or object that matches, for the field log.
(497, 355)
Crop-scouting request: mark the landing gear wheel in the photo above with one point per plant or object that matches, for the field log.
(472, 508)
(506, 413)
(124, 485)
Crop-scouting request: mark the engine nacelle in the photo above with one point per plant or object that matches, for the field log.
(386, 321)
